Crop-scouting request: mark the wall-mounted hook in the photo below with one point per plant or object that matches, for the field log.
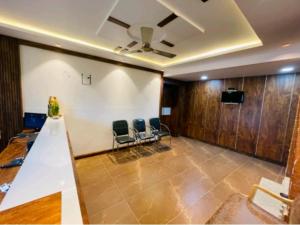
(86, 79)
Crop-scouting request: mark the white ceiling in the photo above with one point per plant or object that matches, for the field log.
(267, 68)
(230, 28)
(276, 22)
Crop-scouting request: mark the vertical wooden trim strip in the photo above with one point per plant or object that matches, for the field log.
(238, 121)
(161, 94)
(261, 112)
(288, 117)
(221, 110)
(292, 149)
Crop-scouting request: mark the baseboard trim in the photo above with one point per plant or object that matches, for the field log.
(103, 152)
(235, 150)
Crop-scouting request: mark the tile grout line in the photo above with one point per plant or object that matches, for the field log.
(168, 178)
(161, 181)
(216, 184)
(124, 198)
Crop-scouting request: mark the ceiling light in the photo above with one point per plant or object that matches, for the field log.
(203, 77)
(287, 69)
(285, 45)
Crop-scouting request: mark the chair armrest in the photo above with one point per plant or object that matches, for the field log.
(150, 128)
(287, 201)
(166, 127)
(115, 134)
(134, 132)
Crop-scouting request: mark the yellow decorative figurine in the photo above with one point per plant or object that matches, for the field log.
(53, 107)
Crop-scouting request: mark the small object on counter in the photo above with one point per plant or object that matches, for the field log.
(15, 162)
(53, 108)
(4, 187)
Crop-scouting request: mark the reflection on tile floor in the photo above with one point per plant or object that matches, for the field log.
(185, 184)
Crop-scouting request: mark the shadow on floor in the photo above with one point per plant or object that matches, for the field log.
(134, 153)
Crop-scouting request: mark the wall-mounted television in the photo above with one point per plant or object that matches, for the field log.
(232, 97)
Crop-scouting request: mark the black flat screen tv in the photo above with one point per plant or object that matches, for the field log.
(232, 97)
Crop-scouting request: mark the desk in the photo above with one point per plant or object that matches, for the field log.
(47, 169)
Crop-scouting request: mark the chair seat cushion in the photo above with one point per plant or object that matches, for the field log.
(144, 136)
(161, 133)
(238, 210)
(124, 139)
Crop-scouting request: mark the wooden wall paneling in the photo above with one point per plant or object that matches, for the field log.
(262, 125)
(189, 114)
(291, 122)
(275, 115)
(194, 122)
(192, 118)
(229, 116)
(200, 110)
(292, 149)
(10, 90)
(186, 110)
(213, 89)
(294, 158)
(250, 114)
(181, 108)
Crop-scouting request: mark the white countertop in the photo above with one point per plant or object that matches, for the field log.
(46, 170)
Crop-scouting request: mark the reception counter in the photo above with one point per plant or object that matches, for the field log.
(48, 169)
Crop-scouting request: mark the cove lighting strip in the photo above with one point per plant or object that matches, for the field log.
(7, 23)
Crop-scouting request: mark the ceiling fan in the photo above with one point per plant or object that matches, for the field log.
(146, 37)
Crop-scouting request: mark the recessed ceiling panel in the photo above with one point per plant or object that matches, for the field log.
(74, 18)
(200, 30)
(140, 11)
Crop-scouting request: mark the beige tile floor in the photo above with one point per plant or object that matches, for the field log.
(185, 184)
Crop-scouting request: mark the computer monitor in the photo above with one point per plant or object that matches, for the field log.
(34, 120)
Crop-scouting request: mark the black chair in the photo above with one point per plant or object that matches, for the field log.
(139, 126)
(159, 129)
(121, 133)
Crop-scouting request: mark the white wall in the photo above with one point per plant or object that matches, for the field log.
(116, 93)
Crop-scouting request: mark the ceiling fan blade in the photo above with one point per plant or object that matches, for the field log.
(167, 43)
(167, 20)
(124, 51)
(135, 51)
(131, 44)
(146, 33)
(165, 54)
(118, 49)
(118, 22)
